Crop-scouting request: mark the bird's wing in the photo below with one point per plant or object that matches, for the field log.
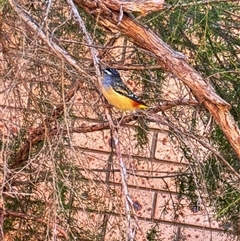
(122, 89)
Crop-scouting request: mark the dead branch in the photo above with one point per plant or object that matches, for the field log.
(46, 37)
(41, 132)
(200, 140)
(25, 216)
(94, 52)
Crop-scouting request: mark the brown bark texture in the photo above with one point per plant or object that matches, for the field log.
(174, 62)
(141, 6)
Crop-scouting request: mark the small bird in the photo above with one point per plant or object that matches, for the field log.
(117, 93)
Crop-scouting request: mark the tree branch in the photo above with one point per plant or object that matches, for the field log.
(25, 216)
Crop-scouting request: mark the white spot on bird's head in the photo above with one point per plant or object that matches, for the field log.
(107, 71)
(111, 72)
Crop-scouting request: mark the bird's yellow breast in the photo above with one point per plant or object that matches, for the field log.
(121, 102)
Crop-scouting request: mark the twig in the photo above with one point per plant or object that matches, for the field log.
(123, 172)
(61, 53)
(157, 118)
(36, 219)
(87, 36)
(40, 133)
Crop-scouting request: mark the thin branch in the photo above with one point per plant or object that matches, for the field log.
(41, 132)
(204, 143)
(131, 173)
(88, 37)
(37, 219)
(123, 172)
(60, 52)
(125, 120)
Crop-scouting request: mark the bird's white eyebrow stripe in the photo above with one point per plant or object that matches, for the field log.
(108, 72)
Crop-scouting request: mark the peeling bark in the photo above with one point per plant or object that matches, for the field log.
(141, 6)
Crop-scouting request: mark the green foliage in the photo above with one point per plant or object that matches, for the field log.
(223, 186)
(2, 4)
(152, 234)
(228, 208)
(187, 187)
(212, 177)
(224, 194)
(142, 132)
(225, 148)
